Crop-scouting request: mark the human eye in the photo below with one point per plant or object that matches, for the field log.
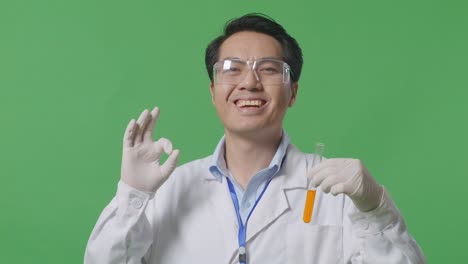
(232, 67)
(231, 70)
(269, 68)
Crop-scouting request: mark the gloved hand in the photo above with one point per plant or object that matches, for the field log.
(141, 166)
(348, 176)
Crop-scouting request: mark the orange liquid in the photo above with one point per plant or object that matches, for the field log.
(309, 206)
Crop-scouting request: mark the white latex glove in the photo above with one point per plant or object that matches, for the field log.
(348, 176)
(141, 166)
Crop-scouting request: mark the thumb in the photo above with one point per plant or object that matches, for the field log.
(338, 188)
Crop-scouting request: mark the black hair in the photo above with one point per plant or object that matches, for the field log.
(256, 22)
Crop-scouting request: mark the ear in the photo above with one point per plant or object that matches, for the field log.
(212, 92)
(292, 100)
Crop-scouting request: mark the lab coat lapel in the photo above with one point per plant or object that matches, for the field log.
(274, 202)
(223, 211)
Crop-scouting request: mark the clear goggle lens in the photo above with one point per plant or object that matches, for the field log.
(266, 71)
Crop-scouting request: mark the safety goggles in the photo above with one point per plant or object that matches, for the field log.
(266, 71)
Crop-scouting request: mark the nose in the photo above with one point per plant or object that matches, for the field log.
(251, 81)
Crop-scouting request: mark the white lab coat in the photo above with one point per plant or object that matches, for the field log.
(191, 219)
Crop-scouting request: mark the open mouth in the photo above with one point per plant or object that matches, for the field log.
(255, 103)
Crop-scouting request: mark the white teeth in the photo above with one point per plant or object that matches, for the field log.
(242, 103)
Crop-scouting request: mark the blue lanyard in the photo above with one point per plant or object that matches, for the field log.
(243, 229)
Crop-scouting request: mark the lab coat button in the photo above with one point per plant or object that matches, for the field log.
(137, 203)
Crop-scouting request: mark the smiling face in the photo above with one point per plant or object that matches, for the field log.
(250, 106)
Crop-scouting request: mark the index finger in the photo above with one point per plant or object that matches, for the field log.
(150, 128)
(130, 132)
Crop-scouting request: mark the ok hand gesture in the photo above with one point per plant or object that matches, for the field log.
(141, 167)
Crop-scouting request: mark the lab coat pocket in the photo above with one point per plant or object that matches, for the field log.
(317, 244)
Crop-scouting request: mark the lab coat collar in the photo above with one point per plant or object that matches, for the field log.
(294, 171)
(218, 166)
(292, 160)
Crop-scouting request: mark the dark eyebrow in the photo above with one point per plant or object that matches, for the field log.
(270, 58)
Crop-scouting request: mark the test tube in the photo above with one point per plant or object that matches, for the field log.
(310, 198)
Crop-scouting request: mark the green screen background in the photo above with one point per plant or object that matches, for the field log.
(383, 81)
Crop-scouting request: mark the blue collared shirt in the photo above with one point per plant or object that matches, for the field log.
(246, 198)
